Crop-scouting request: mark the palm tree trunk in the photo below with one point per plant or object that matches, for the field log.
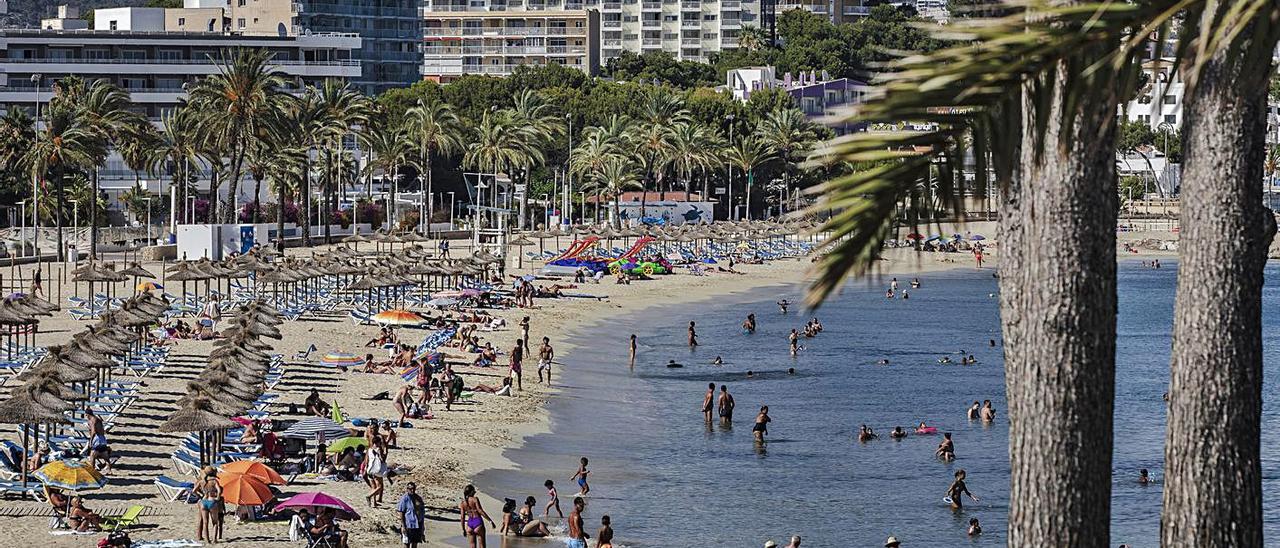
(306, 200)
(257, 200)
(215, 181)
(280, 214)
(1058, 310)
(1213, 475)
(617, 211)
(58, 210)
(330, 172)
(93, 216)
(233, 187)
(750, 175)
(426, 224)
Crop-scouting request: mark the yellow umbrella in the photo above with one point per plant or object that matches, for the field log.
(72, 475)
(148, 286)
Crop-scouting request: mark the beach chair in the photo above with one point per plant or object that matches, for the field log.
(318, 541)
(172, 490)
(305, 354)
(185, 463)
(35, 490)
(128, 519)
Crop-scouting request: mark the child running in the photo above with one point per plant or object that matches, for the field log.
(553, 500)
(581, 476)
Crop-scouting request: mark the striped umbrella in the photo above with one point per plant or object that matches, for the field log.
(311, 427)
(72, 475)
(341, 359)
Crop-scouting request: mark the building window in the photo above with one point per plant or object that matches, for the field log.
(113, 25)
(1171, 118)
(240, 3)
(1170, 99)
(709, 17)
(240, 22)
(182, 21)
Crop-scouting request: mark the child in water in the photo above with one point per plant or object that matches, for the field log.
(581, 476)
(553, 499)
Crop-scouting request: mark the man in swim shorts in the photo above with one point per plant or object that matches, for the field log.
(545, 354)
(706, 401)
(725, 405)
(577, 533)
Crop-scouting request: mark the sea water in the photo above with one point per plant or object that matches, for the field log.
(668, 478)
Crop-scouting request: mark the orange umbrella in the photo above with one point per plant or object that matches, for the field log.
(244, 490)
(397, 316)
(254, 469)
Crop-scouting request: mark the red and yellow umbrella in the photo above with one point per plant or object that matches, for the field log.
(254, 469)
(397, 317)
(244, 490)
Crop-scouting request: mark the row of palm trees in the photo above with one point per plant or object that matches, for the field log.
(245, 122)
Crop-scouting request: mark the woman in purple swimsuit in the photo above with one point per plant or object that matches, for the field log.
(473, 518)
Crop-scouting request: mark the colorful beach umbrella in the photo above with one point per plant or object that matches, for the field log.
(341, 359)
(148, 286)
(441, 302)
(314, 501)
(255, 469)
(71, 474)
(244, 490)
(977, 237)
(353, 442)
(397, 317)
(409, 373)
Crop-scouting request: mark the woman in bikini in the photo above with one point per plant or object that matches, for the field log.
(761, 426)
(957, 489)
(473, 518)
(208, 528)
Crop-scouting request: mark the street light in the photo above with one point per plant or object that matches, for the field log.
(148, 200)
(451, 209)
(75, 219)
(22, 247)
(35, 179)
(546, 210)
(728, 178)
(566, 213)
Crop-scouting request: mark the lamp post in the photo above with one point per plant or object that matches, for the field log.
(75, 219)
(451, 210)
(35, 180)
(148, 200)
(728, 177)
(22, 245)
(546, 209)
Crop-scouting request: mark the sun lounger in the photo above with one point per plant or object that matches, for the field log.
(172, 490)
(185, 463)
(128, 519)
(34, 489)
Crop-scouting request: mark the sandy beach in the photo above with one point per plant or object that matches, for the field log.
(443, 453)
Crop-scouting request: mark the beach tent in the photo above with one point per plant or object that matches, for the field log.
(311, 427)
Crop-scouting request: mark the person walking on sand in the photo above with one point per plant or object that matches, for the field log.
(545, 354)
(517, 356)
(957, 489)
(761, 426)
(37, 283)
(707, 400)
(210, 493)
(553, 500)
(473, 517)
(577, 532)
(750, 324)
(413, 516)
(524, 330)
(725, 405)
(693, 336)
(581, 477)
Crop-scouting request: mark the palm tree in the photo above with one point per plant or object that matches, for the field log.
(433, 128)
(177, 150)
(65, 144)
(233, 103)
(752, 38)
(342, 109)
(391, 151)
(747, 155)
(499, 144)
(1036, 95)
(106, 110)
(614, 176)
(305, 123)
(17, 132)
(532, 112)
(792, 135)
(598, 145)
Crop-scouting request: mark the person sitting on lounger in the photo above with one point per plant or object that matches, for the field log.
(250, 434)
(315, 405)
(38, 458)
(83, 519)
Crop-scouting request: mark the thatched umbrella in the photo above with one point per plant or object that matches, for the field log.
(520, 242)
(184, 272)
(24, 409)
(198, 416)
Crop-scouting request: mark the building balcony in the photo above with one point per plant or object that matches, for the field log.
(730, 5)
(611, 5)
(690, 24)
(649, 6)
(200, 67)
(651, 43)
(651, 23)
(496, 32)
(730, 23)
(611, 24)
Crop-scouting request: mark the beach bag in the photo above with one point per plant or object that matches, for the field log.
(374, 465)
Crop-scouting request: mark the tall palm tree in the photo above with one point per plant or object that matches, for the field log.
(499, 145)
(305, 122)
(177, 150)
(614, 176)
(66, 143)
(106, 110)
(17, 132)
(233, 103)
(598, 145)
(533, 113)
(342, 109)
(138, 150)
(747, 155)
(433, 128)
(1035, 95)
(391, 151)
(792, 135)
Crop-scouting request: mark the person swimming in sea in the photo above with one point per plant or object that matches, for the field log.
(947, 449)
(750, 374)
(898, 433)
(791, 371)
(915, 283)
(883, 362)
(1143, 477)
(866, 434)
(945, 360)
(717, 361)
(783, 304)
(749, 325)
(761, 426)
(581, 477)
(956, 490)
(974, 410)
(672, 364)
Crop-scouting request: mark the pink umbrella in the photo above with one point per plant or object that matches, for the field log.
(471, 292)
(312, 501)
(446, 294)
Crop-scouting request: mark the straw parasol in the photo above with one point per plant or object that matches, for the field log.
(520, 242)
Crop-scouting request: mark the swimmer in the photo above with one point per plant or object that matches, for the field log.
(975, 528)
(866, 434)
(888, 294)
(749, 325)
(1143, 477)
(991, 343)
(791, 371)
(988, 414)
(794, 339)
(898, 433)
(673, 364)
(974, 410)
(905, 296)
(915, 283)
(750, 374)
(883, 362)
(783, 304)
(945, 360)
(633, 349)
(893, 284)
(761, 426)
(946, 450)
(957, 489)
(717, 361)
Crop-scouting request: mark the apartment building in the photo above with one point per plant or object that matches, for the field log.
(1159, 103)
(390, 30)
(687, 29)
(496, 42)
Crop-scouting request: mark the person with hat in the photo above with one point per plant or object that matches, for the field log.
(892, 542)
